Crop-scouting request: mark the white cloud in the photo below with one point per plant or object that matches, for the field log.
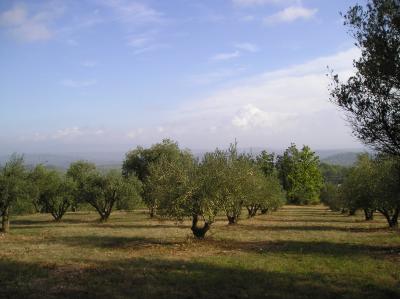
(241, 47)
(26, 27)
(71, 42)
(35, 137)
(150, 48)
(99, 132)
(133, 12)
(291, 14)
(73, 133)
(270, 109)
(139, 41)
(14, 17)
(250, 117)
(78, 83)
(262, 2)
(133, 134)
(247, 18)
(249, 47)
(89, 63)
(145, 42)
(68, 133)
(217, 75)
(225, 56)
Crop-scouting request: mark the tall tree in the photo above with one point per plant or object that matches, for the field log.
(333, 174)
(300, 175)
(266, 162)
(285, 165)
(371, 97)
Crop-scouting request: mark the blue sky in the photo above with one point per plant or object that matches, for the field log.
(109, 75)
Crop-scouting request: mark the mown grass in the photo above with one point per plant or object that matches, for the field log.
(297, 252)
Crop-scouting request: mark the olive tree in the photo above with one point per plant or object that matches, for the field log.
(330, 196)
(39, 179)
(13, 188)
(371, 97)
(388, 189)
(59, 195)
(273, 193)
(79, 172)
(137, 163)
(261, 193)
(232, 179)
(249, 182)
(104, 191)
(359, 187)
(185, 188)
(374, 184)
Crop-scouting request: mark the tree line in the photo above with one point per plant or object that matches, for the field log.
(170, 181)
(370, 99)
(371, 185)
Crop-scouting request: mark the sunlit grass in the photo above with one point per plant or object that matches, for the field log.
(297, 252)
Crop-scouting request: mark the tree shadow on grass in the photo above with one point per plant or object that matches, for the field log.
(344, 219)
(19, 222)
(313, 228)
(281, 247)
(327, 215)
(309, 248)
(99, 241)
(162, 279)
(140, 226)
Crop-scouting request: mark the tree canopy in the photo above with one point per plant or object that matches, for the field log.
(137, 162)
(300, 175)
(371, 97)
(13, 187)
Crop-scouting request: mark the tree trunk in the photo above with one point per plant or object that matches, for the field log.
(392, 220)
(199, 232)
(232, 219)
(36, 206)
(152, 213)
(394, 223)
(352, 212)
(252, 211)
(104, 217)
(5, 222)
(369, 214)
(264, 211)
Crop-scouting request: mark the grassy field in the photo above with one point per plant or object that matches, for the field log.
(297, 252)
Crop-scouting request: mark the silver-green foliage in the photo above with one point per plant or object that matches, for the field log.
(14, 187)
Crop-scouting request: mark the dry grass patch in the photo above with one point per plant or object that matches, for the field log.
(297, 252)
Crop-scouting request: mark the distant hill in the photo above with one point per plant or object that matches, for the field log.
(344, 159)
(113, 160)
